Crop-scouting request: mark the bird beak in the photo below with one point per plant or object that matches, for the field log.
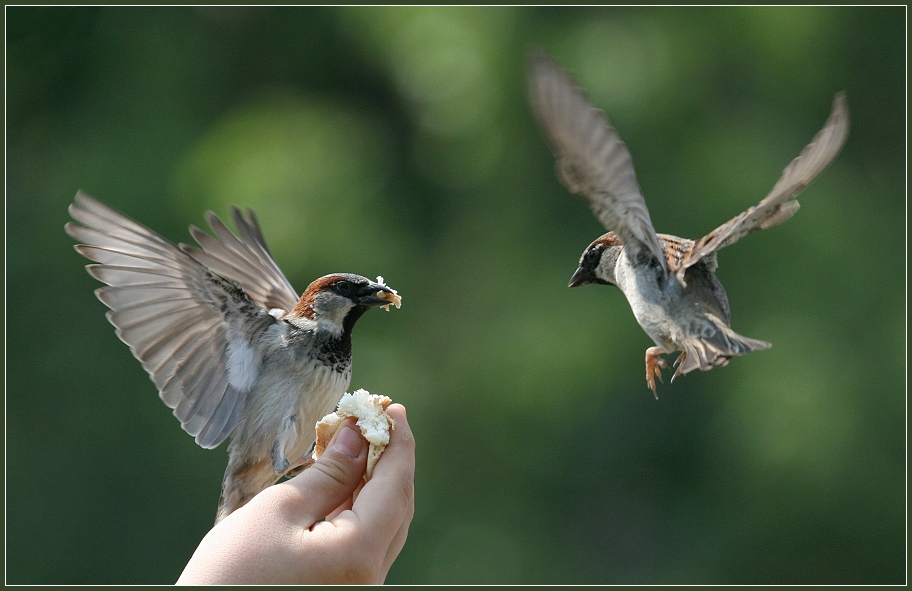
(368, 295)
(582, 276)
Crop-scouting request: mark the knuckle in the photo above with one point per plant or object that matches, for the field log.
(338, 469)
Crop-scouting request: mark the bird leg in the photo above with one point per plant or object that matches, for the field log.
(653, 365)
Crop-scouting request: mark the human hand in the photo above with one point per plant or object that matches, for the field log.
(325, 525)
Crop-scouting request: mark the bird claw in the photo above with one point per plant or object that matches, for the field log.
(678, 363)
(654, 363)
(299, 466)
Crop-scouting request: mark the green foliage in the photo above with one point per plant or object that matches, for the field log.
(398, 141)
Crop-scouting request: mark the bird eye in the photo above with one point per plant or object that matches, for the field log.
(343, 287)
(592, 257)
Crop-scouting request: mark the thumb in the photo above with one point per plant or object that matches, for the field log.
(333, 478)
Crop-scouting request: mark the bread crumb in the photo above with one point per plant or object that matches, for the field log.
(394, 298)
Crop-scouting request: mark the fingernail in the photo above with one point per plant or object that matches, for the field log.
(349, 441)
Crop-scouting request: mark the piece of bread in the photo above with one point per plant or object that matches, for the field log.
(393, 298)
(373, 420)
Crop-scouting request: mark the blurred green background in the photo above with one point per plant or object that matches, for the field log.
(399, 142)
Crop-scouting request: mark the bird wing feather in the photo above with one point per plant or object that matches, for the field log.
(592, 160)
(246, 261)
(177, 316)
(780, 204)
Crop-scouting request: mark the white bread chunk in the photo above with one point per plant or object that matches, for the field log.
(373, 420)
(393, 298)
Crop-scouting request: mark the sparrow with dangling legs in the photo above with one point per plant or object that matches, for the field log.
(669, 282)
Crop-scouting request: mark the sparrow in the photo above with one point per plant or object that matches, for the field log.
(226, 339)
(669, 282)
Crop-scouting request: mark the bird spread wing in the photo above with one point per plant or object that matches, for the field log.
(181, 320)
(246, 261)
(592, 160)
(780, 204)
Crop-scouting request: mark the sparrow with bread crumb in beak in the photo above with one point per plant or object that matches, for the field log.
(225, 338)
(669, 282)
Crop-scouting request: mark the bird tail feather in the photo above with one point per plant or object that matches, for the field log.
(716, 350)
